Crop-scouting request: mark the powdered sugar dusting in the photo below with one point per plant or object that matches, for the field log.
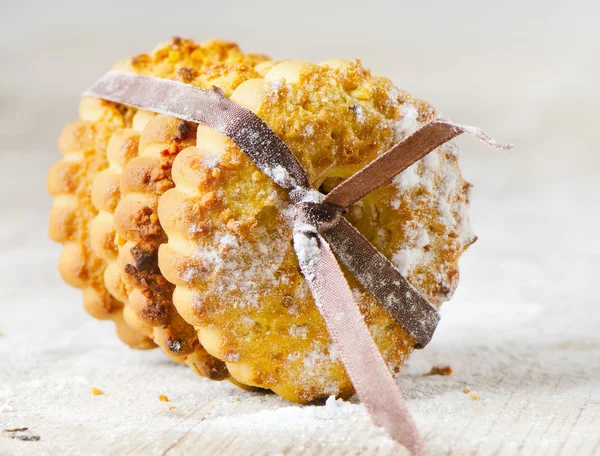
(407, 258)
(281, 176)
(273, 90)
(408, 123)
(407, 179)
(248, 267)
(406, 126)
(316, 367)
(298, 331)
(309, 130)
(211, 158)
(437, 175)
(306, 247)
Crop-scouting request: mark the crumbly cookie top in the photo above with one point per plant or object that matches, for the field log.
(211, 63)
(336, 117)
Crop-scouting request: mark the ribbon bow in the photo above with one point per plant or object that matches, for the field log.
(321, 233)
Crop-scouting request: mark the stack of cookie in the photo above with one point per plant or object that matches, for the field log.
(174, 234)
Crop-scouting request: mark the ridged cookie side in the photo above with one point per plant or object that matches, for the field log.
(148, 295)
(106, 193)
(142, 288)
(83, 147)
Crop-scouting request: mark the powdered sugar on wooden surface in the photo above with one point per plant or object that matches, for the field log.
(521, 333)
(528, 348)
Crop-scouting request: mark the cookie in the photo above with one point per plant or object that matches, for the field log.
(229, 227)
(132, 274)
(86, 186)
(83, 146)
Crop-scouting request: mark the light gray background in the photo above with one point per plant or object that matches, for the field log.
(522, 330)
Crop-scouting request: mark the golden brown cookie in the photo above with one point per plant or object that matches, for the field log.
(133, 275)
(229, 227)
(86, 188)
(83, 146)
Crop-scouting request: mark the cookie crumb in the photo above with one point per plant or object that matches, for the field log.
(97, 392)
(13, 434)
(440, 370)
(466, 391)
(163, 398)
(12, 431)
(27, 438)
(475, 396)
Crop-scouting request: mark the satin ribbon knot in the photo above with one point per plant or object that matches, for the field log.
(310, 209)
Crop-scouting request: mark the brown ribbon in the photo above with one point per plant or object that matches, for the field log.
(320, 231)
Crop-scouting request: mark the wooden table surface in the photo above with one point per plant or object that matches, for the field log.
(522, 332)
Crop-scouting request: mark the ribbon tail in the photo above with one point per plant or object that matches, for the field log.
(368, 372)
(380, 278)
(475, 132)
(403, 154)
